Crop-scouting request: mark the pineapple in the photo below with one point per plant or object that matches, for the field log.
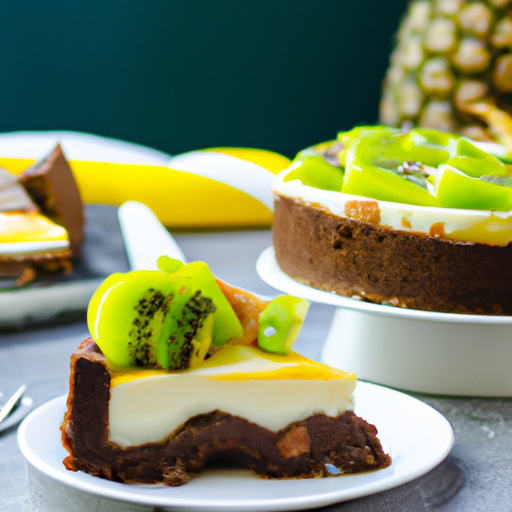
(452, 69)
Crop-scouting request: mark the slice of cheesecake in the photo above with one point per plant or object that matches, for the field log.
(185, 371)
(30, 243)
(283, 416)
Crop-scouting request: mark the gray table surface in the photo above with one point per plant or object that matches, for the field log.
(475, 476)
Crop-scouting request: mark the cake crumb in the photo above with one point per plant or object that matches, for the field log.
(370, 460)
(294, 442)
(175, 475)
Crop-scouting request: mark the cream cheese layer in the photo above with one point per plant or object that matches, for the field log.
(473, 226)
(29, 233)
(147, 406)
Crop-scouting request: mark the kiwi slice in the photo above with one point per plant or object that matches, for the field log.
(190, 326)
(161, 319)
(280, 323)
(128, 317)
(226, 325)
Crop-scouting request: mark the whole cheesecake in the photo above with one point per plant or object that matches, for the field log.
(380, 218)
(146, 408)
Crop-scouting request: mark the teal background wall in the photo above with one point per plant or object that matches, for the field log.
(180, 75)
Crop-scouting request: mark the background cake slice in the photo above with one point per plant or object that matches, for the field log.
(30, 243)
(41, 221)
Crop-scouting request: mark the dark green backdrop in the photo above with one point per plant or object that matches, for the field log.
(181, 75)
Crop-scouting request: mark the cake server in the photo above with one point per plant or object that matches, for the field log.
(145, 237)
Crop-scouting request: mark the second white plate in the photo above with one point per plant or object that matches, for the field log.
(401, 420)
(269, 270)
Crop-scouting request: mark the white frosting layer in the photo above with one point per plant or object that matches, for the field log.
(20, 248)
(478, 226)
(269, 390)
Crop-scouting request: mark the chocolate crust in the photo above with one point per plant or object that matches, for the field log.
(352, 257)
(301, 450)
(49, 263)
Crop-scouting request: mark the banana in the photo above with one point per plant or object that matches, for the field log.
(215, 187)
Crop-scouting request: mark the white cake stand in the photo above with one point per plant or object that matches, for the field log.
(422, 351)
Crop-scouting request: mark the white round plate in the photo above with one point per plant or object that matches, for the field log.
(271, 273)
(405, 348)
(400, 419)
(78, 146)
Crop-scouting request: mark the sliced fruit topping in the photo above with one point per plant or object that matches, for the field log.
(280, 323)
(128, 319)
(174, 317)
(273, 325)
(424, 167)
(191, 321)
(484, 193)
(166, 264)
(197, 275)
(248, 308)
(475, 162)
(312, 169)
(161, 319)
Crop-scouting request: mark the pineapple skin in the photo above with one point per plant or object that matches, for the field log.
(451, 69)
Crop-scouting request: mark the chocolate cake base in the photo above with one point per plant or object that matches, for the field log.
(19, 266)
(315, 447)
(351, 257)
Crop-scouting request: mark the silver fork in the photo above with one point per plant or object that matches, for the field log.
(11, 404)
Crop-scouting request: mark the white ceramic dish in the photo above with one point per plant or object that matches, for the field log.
(420, 351)
(401, 421)
(78, 146)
